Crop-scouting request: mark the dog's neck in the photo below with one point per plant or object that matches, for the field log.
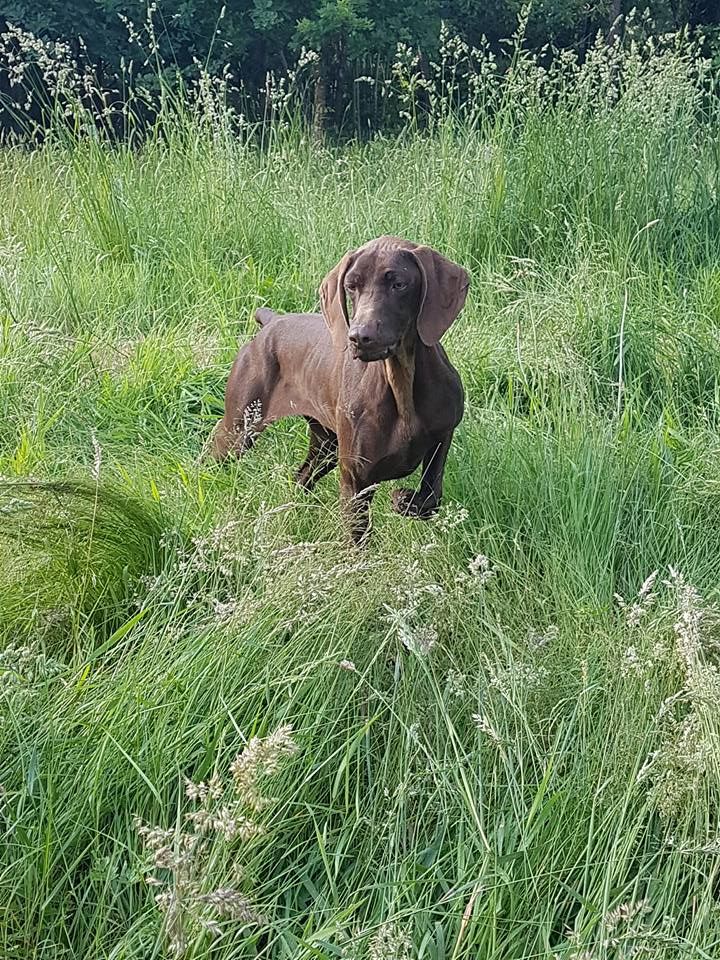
(400, 374)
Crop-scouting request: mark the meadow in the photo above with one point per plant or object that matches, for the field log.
(225, 733)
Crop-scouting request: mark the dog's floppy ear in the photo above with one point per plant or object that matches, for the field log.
(333, 301)
(445, 287)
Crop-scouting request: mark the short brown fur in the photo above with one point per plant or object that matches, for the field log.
(375, 385)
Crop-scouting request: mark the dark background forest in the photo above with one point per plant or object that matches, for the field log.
(352, 37)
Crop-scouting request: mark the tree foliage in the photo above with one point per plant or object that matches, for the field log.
(352, 37)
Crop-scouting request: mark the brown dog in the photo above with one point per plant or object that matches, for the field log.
(377, 388)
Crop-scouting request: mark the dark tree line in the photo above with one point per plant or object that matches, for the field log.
(352, 37)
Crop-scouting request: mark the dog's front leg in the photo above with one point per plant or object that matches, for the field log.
(423, 503)
(355, 500)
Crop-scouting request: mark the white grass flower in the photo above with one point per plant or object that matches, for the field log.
(224, 611)
(97, 458)
(391, 942)
(260, 758)
(481, 569)
(631, 663)
(543, 638)
(691, 616)
(228, 902)
(624, 913)
(456, 684)
(526, 677)
(687, 748)
(636, 611)
(486, 727)
(187, 855)
(24, 665)
(202, 791)
(625, 925)
(252, 417)
(450, 516)
(419, 640)
(211, 927)
(231, 825)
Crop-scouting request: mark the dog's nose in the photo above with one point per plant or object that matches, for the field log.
(360, 337)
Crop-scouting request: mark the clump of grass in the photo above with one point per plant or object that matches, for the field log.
(186, 857)
(74, 552)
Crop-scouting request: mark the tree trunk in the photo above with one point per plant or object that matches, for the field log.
(339, 92)
(319, 119)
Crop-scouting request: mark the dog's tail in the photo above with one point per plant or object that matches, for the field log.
(263, 316)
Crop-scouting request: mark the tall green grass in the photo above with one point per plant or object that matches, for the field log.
(497, 758)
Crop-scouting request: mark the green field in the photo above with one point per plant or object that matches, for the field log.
(494, 758)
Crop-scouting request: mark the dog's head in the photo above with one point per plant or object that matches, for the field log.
(397, 290)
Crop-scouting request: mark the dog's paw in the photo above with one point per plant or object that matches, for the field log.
(408, 504)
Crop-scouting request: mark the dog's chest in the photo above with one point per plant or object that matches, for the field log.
(403, 455)
(386, 430)
(382, 446)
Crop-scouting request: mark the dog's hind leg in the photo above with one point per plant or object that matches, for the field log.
(226, 442)
(248, 397)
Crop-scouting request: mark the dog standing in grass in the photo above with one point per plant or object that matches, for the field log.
(375, 385)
